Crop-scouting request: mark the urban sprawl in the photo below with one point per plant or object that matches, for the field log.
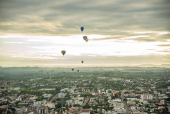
(95, 90)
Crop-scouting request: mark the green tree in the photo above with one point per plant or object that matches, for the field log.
(58, 105)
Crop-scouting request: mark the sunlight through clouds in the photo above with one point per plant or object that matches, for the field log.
(76, 46)
(120, 30)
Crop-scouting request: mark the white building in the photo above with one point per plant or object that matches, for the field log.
(133, 107)
(99, 91)
(118, 105)
(37, 103)
(19, 99)
(145, 97)
(69, 101)
(50, 105)
(17, 89)
(116, 100)
(47, 95)
(60, 95)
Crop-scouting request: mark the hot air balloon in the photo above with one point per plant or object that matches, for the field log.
(72, 69)
(82, 28)
(82, 61)
(63, 52)
(85, 38)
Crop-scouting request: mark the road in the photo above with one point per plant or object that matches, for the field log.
(125, 103)
(54, 97)
(81, 108)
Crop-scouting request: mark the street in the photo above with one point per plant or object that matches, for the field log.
(86, 100)
(125, 103)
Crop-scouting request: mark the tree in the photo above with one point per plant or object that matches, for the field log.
(91, 112)
(54, 101)
(125, 99)
(76, 105)
(126, 92)
(58, 105)
(95, 107)
(86, 106)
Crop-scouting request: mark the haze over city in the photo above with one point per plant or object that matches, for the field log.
(120, 32)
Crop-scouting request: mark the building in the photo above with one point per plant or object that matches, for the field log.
(86, 111)
(146, 97)
(47, 95)
(50, 105)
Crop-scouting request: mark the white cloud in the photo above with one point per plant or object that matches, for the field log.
(132, 37)
(13, 42)
(163, 33)
(49, 46)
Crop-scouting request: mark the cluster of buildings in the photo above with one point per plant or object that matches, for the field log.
(85, 100)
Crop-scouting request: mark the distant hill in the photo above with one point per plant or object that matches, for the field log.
(152, 65)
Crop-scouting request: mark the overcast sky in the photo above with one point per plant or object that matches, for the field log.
(120, 32)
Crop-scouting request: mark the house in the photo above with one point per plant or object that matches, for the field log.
(86, 111)
(80, 98)
(33, 98)
(116, 100)
(3, 109)
(118, 105)
(37, 103)
(133, 108)
(47, 95)
(132, 97)
(42, 110)
(146, 97)
(73, 110)
(19, 98)
(162, 102)
(119, 111)
(71, 90)
(69, 101)
(60, 95)
(78, 102)
(168, 108)
(99, 91)
(17, 89)
(101, 100)
(47, 89)
(138, 112)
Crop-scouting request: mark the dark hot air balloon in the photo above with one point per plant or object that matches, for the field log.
(63, 52)
(82, 28)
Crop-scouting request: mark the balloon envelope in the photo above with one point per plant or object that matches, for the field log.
(84, 37)
(63, 52)
(82, 28)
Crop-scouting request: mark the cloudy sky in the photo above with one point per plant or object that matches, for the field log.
(120, 32)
